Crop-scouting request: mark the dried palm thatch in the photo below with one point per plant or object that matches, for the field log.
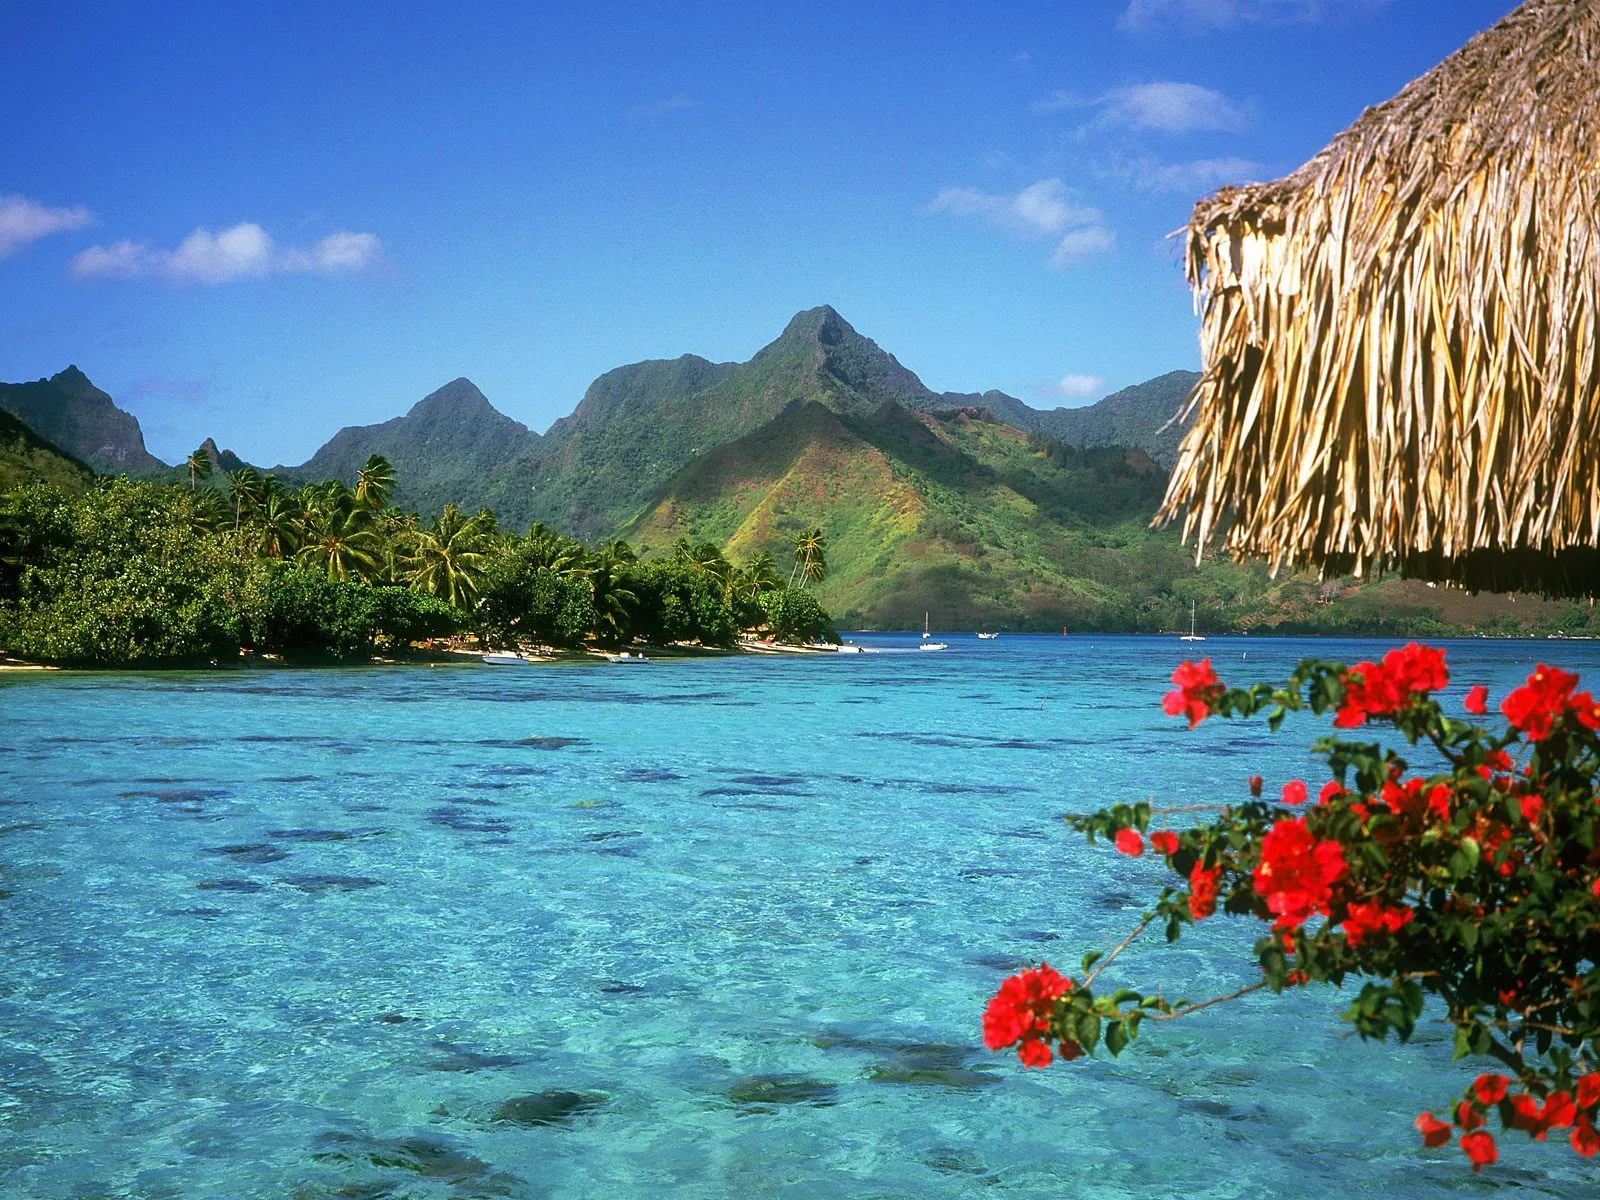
(1401, 365)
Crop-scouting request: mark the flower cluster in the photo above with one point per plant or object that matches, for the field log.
(1297, 873)
(1474, 881)
(1378, 689)
(1576, 1110)
(1197, 689)
(1019, 1015)
(1544, 699)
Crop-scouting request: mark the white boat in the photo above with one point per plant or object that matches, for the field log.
(1192, 636)
(626, 657)
(934, 646)
(988, 637)
(505, 658)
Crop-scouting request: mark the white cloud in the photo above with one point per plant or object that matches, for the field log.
(243, 251)
(1160, 107)
(1043, 209)
(1189, 178)
(1166, 107)
(1152, 14)
(24, 221)
(1081, 244)
(1076, 386)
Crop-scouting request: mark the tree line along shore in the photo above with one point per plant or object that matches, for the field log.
(145, 574)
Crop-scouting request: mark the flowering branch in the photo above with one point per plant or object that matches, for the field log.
(1478, 884)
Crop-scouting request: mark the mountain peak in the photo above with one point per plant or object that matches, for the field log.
(821, 324)
(458, 396)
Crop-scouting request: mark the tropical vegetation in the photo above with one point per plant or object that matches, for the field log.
(143, 573)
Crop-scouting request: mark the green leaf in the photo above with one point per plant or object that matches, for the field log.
(1116, 1038)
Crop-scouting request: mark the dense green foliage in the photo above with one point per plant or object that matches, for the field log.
(152, 574)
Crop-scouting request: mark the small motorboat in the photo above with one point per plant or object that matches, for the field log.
(505, 658)
(988, 637)
(934, 646)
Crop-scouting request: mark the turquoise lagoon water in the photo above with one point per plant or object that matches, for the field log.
(703, 928)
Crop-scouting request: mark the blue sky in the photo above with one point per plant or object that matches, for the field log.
(262, 222)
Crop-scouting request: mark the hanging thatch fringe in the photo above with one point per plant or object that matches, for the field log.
(1401, 364)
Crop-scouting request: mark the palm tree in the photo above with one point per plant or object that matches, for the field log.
(277, 524)
(339, 538)
(760, 575)
(547, 550)
(810, 558)
(447, 559)
(613, 600)
(246, 487)
(374, 482)
(210, 512)
(199, 466)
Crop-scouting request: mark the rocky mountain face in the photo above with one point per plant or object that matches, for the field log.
(71, 412)
(448, 448)
(26, 457)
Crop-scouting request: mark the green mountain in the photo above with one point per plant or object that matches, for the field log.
(950, 512)
(638, 425)
(450, 448)
(26, 457)
(1140, 416)
(78, 417)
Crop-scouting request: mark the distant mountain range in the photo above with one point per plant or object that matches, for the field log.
(975, 508)
(79, 418)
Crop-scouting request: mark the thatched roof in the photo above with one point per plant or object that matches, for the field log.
(1401, 365)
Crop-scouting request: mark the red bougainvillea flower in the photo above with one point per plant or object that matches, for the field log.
(1480, 1149)
(1414, 669)
(1467, 1115)
(1490, 1089)
(1019, 1013)
(1589, 1090)
(1197, 687)
(1256, 784)
(1368, 691)
(1534, 707)
(1366, 919)
(1477, 701)
(1129, 842)
(1294, 792)
(1559, 1111)
(1331, 791)
(1434, 1131)
(1527, 1116)
(1035, 1052)
(1297, 872)
(1203, 891)
(1166, 842)
(1584, 1138)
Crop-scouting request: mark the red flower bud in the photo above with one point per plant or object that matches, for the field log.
(1589, 1090)
(1467, 1116)
(1477, 701)
(1480, 1149)
(1434, 1131)
(1490, 1089)
(1130, 843)
(1165, 841)
(1584, 1138)
(1256, 783)
(1294, 792)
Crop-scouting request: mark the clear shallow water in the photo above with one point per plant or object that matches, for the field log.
(709, 928)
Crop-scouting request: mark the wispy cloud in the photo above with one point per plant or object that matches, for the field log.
(243, 251)
(1188, 178)
(1043, 209)
(1141, 15)
(661, 108)
(24, 221)
(1160, 107)
(1076, 387)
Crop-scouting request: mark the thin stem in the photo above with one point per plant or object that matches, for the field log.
(1121, 946)
(1193, 1008)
